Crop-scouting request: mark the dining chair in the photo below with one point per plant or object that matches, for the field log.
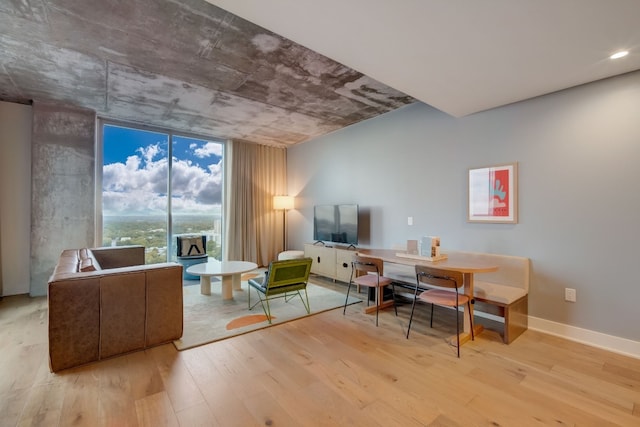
(448, 295)
(368, 272)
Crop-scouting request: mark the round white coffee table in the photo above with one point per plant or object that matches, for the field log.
(230, 271)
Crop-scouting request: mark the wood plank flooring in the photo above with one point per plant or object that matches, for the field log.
(324, 370)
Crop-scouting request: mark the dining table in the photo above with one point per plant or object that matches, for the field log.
(459, 262)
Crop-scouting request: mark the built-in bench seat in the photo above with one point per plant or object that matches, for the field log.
(503, 293)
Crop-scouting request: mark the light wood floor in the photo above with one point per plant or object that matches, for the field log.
(324, 370)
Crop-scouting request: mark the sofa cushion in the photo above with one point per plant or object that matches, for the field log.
(118, 256)
(88, 261)
(87, 265)
(498, 293)
(68, 262)
(83, 253)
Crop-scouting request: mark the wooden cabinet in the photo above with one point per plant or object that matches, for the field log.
(331, 262)
(343, 264)
(324, 260)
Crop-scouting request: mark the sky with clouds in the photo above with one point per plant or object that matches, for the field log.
(134, 178)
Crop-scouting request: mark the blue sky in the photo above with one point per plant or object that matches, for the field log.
(135, 173)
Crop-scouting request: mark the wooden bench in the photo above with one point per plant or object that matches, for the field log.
(503, 293)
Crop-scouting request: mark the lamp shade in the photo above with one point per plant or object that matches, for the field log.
(283, 202)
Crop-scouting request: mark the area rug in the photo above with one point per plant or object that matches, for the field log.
(207, 318)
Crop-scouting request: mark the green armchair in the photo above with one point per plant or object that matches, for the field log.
(283, 279)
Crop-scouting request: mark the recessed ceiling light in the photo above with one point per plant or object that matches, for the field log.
(619, 54)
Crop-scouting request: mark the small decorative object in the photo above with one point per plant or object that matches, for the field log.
(493, 194)
(412, 247)
(425, 249)
(430, 246)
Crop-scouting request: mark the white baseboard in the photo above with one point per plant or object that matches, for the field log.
(611, 343)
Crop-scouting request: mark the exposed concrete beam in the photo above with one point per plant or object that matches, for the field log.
(183, 64)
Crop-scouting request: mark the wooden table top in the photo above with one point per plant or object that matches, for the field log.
(461, 262)
(221, 268)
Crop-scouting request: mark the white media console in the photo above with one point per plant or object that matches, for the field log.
(333, 262)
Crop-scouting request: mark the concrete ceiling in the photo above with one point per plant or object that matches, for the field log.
(462, 56)
(192, 66)
(186, 65)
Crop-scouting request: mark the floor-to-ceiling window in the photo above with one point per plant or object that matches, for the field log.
(157, 185)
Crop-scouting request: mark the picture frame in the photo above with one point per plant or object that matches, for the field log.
(493, 194)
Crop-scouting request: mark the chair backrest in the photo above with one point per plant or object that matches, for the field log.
(365, 264)
(288, 272)
(191, 245)
(438, 277)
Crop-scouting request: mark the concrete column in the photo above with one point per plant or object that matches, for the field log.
(62, 186)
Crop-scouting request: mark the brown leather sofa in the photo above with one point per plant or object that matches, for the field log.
(105, 302)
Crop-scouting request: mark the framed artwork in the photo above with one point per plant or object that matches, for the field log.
(493, 194)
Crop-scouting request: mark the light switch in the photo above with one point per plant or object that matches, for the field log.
(410, 220)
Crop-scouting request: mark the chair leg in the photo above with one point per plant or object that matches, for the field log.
(344, 310)
(306, 306)
(393, 295)
(264, 309)
(471, 320)
(268, 312)
(431, 321)
(258, 302)
(377, 301)
(458, 330)
(413, 307)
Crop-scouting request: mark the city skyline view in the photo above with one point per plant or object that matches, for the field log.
(138, 204)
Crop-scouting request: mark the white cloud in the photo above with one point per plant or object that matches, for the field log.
(139, 186)
(150, 152)
(209, 149)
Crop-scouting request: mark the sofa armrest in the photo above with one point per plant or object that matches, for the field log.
(119, 256)
(74, 322)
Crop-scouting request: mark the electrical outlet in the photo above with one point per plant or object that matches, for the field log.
(410, 220)
(570, 294)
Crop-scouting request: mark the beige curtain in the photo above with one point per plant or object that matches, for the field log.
(255, 173)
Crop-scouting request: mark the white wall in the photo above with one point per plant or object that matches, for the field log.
(15, 196)
(579, 209)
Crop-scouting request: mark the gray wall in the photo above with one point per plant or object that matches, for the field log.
(15, 196)
(62, 186)
(579, 203)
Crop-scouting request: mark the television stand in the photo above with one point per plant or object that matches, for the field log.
(330, 261)
(319, 241)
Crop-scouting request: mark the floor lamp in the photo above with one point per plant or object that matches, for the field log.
(283, 203)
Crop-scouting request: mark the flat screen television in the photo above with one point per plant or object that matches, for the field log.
(335, 223)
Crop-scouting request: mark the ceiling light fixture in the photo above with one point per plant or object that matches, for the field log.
(619, 54)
